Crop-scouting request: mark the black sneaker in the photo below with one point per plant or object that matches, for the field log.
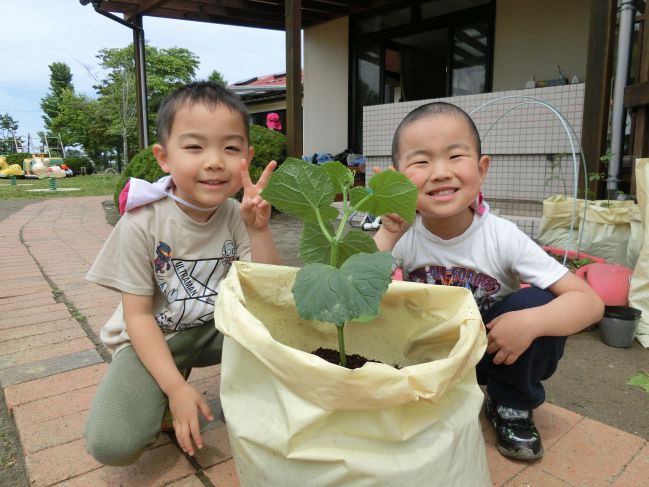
(516, 435)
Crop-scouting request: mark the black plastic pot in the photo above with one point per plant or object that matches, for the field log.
(618, 326)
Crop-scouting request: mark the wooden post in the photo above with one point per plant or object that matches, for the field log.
(293, 78)
(599, 70)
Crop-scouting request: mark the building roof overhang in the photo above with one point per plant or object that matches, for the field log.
(266, 14)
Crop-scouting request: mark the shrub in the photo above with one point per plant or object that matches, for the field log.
(142, 166)
(76, 163)
(18, 158)
(269, 146)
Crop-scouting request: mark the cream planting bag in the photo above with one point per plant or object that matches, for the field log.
(295, 420)
(639, 290)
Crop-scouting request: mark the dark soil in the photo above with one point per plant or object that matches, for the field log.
(354, 361)
(572, 263)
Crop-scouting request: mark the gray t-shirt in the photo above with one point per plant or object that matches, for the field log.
(158, 250)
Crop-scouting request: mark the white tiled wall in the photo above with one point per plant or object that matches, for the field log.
(517, 133)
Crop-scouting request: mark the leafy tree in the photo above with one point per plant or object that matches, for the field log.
(166, 70)
(60, 81)
(83, 121)
(217, 78)
(8, 127)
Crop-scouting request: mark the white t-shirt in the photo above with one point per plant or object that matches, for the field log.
(158, 250)
(491, 258)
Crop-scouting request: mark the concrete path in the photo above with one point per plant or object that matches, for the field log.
(51, 362)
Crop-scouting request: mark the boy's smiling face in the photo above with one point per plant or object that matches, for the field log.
(439, 155)
(203, 153)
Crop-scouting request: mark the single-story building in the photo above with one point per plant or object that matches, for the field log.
(367, 63)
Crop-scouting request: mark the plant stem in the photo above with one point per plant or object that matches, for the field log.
(341, 345)
(333, 256)
(323, 227)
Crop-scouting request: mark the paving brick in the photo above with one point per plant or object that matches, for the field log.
(52, 465)
(32, 308)
(223, 475)
(192, 481)
(61, 313)
(156, 467)
(636, 473)
(54, 385)
(591, 454)
(554, 422)
(41, 340)
(37, 329)
(54, 407)
(98, 304)
(216, 447)
(47, 367)
(22, 290)
(26, 298)
(534, 476)
(41, 353)
(55, 432)
(24, 302)
(102, 311)
(502, 469)
(203, 372)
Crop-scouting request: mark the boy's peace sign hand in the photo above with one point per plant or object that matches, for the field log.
(255, 211)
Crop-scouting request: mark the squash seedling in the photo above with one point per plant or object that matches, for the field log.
(344, 277)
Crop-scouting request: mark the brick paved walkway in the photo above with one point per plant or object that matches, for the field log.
(51, 363)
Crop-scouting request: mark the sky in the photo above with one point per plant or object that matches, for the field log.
(36, 33)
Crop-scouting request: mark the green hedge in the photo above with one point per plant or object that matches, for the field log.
(18, 158)
(268, 144)
(76, 163)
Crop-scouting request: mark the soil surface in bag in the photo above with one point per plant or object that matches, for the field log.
(572, 263)
(354, 361)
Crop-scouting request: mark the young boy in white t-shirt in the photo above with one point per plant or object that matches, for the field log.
(167, 256)
(455, 241)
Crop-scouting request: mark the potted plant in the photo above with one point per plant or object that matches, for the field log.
(410, 417)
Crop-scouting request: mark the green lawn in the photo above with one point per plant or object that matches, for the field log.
(93, 185)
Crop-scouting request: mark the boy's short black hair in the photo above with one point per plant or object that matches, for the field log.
(204, 92)
(429, 110)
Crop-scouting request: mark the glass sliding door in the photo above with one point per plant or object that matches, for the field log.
(431, 49)
(470, 57)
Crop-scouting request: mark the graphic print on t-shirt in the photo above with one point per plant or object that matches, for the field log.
(190, 288)
(483, 286)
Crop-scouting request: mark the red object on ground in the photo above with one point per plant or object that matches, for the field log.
(610, 281)
(573, 255)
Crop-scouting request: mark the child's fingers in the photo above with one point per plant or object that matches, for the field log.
(377, 170)
(182, 436)
(196, 434)
(205, 410)
(245, 174)
(265, 176)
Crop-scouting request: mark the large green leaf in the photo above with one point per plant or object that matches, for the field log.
(336, 296)
(389, 192)
(341, 177)
(301, 188)
(314, 246)
(355, 242)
